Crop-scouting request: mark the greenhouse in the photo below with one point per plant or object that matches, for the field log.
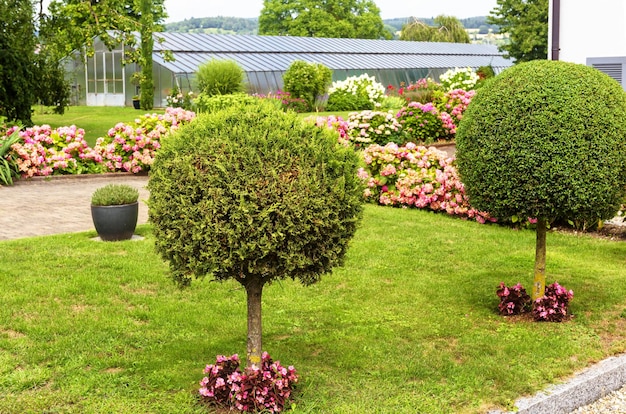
(102, 79)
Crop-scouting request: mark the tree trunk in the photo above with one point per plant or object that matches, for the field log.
(539, 283)
(254, 289)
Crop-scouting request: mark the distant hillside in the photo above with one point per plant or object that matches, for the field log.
(239, 25)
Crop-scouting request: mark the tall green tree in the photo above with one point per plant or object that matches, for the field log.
(526, 22)
(17, 57)
(357, 19)
(446, 29)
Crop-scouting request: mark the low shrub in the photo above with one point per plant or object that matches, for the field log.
(288, 102)
(265, 389)
(220, 77)
(8, 165)
(415, 176)
(553, 305)
(424, 90)
(355, 93)
(205, 103)
(114, 195)
(513, 300)
(335, 123)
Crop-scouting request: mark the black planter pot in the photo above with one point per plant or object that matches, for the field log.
(136, 104)
(115, 223)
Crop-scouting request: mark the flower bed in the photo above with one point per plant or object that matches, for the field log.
(43, 151)
(416, 176)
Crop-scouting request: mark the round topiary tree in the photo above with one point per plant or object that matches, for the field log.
(307, 80)
(254, 194)
(545, 140)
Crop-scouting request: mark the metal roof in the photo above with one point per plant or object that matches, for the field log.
(275, 53)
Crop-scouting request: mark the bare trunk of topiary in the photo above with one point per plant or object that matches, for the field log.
(254, 289)
(539, 283)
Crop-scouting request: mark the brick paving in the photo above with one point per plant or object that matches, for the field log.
(43, 206)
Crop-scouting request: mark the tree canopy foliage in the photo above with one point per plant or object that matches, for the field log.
(526, 21)
(445, 29)
(219, 24)
(358, 19)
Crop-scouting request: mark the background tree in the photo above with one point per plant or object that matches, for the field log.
(254, 194)
(72, 24)
(526, 21)
(445, 29)
(528, 148)
(17, 57)
(359, 19)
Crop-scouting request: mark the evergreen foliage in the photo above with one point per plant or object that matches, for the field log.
(256, 195)
(528, 146)
(17, 57)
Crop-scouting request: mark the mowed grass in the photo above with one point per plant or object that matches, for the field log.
(95, 120)
(408, 325)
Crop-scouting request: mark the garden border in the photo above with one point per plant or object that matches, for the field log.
(586, 387)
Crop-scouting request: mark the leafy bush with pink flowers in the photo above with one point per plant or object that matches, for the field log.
(455, 103)
(553, 305)
(513, 300)
(416, 176)
(264, 389)
(43, 151)
(424, 123)
(132, 147)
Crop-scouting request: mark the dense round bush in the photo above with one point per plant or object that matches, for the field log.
(545, 139)
(220, 77)
(307, 80)
(254, 194)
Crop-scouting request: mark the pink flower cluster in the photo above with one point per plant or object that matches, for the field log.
(44, 151)
(553, 305)
(265, 389)
(133, 147)
(416, 176)
(333, 122)
(455, 103)
(513, 300)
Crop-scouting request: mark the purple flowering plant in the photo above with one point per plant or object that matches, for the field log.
(513, 300)
(553, 305)
(264, 389)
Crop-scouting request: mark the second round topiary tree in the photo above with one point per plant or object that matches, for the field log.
(545, 140)
(256, 195)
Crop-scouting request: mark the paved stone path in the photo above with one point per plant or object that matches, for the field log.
(44, 206)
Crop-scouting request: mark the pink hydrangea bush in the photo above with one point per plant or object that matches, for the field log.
(553, 305)
(424, 123)
(416, 176)
(264, 389)
(335, 123)
(454, 103)
(513, 300)
(132, 147)
(43, 151)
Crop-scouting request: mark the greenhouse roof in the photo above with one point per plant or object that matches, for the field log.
(275, 53)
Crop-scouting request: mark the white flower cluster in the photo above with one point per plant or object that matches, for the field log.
(459, 78)
(354, 84)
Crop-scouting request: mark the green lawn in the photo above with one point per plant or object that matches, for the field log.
(408, 325)
(95, 120)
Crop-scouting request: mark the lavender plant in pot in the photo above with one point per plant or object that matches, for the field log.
(114, 211)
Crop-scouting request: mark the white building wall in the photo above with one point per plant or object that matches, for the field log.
(590, 29)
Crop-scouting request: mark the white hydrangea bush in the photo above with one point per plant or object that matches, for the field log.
(459, 78)
(356, 85)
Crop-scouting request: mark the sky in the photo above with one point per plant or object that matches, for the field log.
(179, 10)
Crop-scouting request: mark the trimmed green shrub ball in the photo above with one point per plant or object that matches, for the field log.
(545, 139)
(254, 193)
